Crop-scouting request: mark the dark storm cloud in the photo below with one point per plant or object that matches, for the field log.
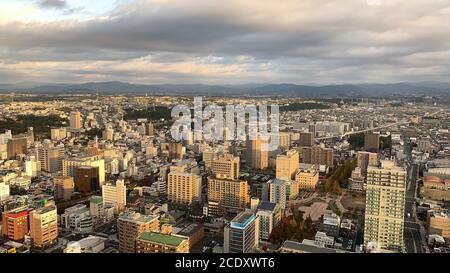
(309, 40)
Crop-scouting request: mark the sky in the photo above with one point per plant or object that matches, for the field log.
(224, 41)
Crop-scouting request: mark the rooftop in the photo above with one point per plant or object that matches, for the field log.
(160, 238)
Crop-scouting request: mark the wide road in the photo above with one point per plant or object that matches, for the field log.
(412, 236)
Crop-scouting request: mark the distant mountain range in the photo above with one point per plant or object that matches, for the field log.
(251, 89)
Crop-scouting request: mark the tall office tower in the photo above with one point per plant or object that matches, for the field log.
(366, 159)
(209, 154)
(87, 179)
(226, 166)
(285, 140)
(226, 195)
(241, 235)
(184, 187)
(115, 195)
(32, 166)
(75, 120)
(287, 164)
(307, 179)
(130, 225)
(176, 150)
(371, 142)
(258, 152)
(15, 224)
(149, 129)
(50, 156)
(317, 155)
(4, 191)
(64, 187)
(69, 166)
(269, 217)
(16, 146)
(44, 227)
(306, 139)
(277, 192)
(385, 206)
(108, 134)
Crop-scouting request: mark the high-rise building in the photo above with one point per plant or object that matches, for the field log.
(317, 155)
(69, 166)
(149, 129)
(306, 139)
(184, 186)
(258, 152)
(269, 217)
(285, 140)
(44, 227)
(50, 157)
(371, 142)
(287, 164)
(115, 195)
(17, 145)
(226, 166)
(176, 150)
(277, 192)
(130, 225)
(307, 179)
(226, 195)
(366, 159)
(241, 235)
(75, 120)
(209, 155)
(15, 224)
(58, 133)
(64, 187)
(385, 206)
(87, 179)
(32, 166)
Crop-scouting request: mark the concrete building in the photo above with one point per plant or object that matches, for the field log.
(130, 226)
(90, 244)
(15, 224)
(258, 152)
(71, 164)
(75, 120)
(157, 242)
(287, 164)
(115, 194)
(317, 155)
(64, 187)
(306, 139)
(44, 227)
(226, 166)
(4, 191)
(366, 159)
(50, 156)
(269, 217)
(241, 235)
(184, 187)
(307, 178)
(87, 179)
(385, 206)
(77, 218)
(331, 224)
(439, 223)
(16, 146)
(277, 192)
(371, 142)
(226, 195)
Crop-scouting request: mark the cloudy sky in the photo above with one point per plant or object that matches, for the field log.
(224, 41)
